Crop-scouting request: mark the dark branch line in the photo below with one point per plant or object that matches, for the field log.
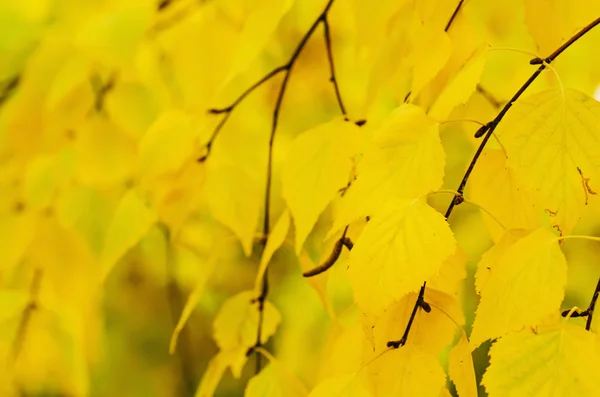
(589, 312)
(488, 130)
(454, 14)
(287, 70)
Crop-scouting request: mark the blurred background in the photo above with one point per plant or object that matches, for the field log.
(108, 222)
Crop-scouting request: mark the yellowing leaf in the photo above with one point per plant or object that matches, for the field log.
(112, 38)
(47, 176)
(131, 107)
(276, 238)
(167, 144)
(461, 87)
(236, 325)
(557, 361)
(343, 385)
(431, 332)
(550, 137)
(317, 167)
(258, 26)
(275, 381)
(493, 184)
(489, 260)
(461, 368)
(104, 154)
(432, 48)
(407, 371)
(236, 205)
(398, 249)
(130, 223)
(213, 374)
(526, 285)
(405, 159)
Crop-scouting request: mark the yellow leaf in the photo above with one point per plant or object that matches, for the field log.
(175, 197)
(405, 159)
(550, 137)
(407, 371)
(47, 176)
(450, 279)
(555, 361)
(236, 325)
(461, 87)
(112, 37)
(236, 205)
(131, 107)
(493, 184)
(526, 285)
(87, 212)
(167, 144)
(213, 374)
(431, 332)
(131, 221)
(432, 48)
(343, 385)
(104, 154)
(275, 240)
(317, 167)
(183, 258)
(489, 260)
(275, 381)
(461, 369)
(398, 249)
(258, 27)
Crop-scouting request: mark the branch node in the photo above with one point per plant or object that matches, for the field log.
(360, 122)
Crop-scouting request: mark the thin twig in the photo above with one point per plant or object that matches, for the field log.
(454, 14)
(490, 127)
(488, 96)
(589, 312)
(287, 69)
(420, 303)
(331, 65)
(335, 254)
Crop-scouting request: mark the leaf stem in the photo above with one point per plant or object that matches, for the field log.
(592, 238)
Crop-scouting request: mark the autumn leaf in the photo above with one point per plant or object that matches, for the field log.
(558, 360)
(317, 167)
(550, 137)
(508, 300)
(404, 159)
(399, 248)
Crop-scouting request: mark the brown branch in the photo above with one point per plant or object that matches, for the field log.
(589, 312)
(287, 69)
(454, 14)
(488, 129)
(332, 77)
(335, 254)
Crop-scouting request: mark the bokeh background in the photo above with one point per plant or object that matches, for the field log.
(108, 222)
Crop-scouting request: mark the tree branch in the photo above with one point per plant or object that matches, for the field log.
(454, 14)
(589, 312)
(488, 130)
(335, 254)
(287, 69)
(331, 65)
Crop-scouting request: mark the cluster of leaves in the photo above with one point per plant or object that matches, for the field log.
(224, 147)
